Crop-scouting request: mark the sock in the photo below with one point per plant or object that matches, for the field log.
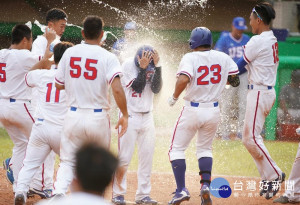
(179, 168)
(205, 166)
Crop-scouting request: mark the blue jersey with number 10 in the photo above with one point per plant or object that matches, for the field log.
(231, 46)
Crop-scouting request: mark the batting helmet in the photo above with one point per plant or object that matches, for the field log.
(200, 36)
(140, 53)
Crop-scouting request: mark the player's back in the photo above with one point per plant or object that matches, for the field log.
(14, 64)
(88, 71)
(51, 105)
(261, 53)
(208, 72)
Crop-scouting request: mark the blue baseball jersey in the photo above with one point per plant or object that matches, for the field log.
(231, 46)
(118, 46)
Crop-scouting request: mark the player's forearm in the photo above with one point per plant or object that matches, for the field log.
(139, 83)
(119, 96)
(59, 87)
(157, 81)
(181, 84)
(241, 63)
(42, 64)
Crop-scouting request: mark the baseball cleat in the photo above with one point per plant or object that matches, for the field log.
(263, 191)
(179, 197)
(44, 194)
(281, 200)
(272, 191)
(146, 200)
(118, 200)
(9, 172)
(205, 196)
(20, 199)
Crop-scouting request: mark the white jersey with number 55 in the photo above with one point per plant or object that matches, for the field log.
(87, 71)
(261, 54)
(208, 72)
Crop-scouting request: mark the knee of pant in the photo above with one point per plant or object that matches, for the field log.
(204, 153)
(253, 148)
(173, 155)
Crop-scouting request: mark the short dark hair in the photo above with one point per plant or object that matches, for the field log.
(95, 167)
(92, 27)
(59, 50)
(266, 11)
(19, 32)
(55, 14)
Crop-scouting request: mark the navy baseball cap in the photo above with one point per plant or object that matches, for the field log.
(239, 23)
(130, 26)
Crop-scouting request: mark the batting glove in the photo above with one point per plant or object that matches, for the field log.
(172, 100)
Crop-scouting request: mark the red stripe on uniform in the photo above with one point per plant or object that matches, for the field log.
(185, 73)
(26, 80)
(59, 81)
(28, 113)
(246, 59)
(129, 84)
(43, 171)
(254, 135)
(233, 72)
(175, 133)
(115, 75)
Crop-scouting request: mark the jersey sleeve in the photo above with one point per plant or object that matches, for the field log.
(128, 74)
(186, 67)
(33, 78)
(232, 66)
(61, 70)
(251, 49)
(113, 68)
(30, 60)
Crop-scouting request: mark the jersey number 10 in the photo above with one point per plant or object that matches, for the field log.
(216, 71)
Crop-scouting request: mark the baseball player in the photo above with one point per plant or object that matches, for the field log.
(56, 20)
(231, 44)
(85, 72)
(203, 73)
(125, 47)
(46, 132)
(15, 107)
(141, 80)
(261, 60)
(292, 195)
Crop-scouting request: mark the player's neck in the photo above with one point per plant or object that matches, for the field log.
(201, 49)
(17, 46)
(92, 42)
(263, 29)
(236, 36)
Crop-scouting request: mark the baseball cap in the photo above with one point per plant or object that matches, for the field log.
(130, 26)
(239, 23)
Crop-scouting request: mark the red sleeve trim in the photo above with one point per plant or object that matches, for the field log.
(59, 82)
(233, 72)
(130, 83)
(115, 75)
(185, 73)
(26, 81)
(246, 59)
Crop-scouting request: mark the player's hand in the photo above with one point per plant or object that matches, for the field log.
(172, 101)
(123, 122)
(145, 59)
(50, 35)
(155, 58)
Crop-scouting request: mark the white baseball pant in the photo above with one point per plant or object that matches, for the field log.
(45, 137)
(259, 104)
(204, 120)
(141, 130)
(81, 126)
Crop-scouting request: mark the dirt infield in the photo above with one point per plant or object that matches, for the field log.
(163, 185)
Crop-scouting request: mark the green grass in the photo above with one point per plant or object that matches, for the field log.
(230, 157)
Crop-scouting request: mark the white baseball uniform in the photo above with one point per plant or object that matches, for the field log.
(261, 54)
(47, 131)
(140, 129)
(86, 71)
(15, 107)
(208, 72)
(38, 48)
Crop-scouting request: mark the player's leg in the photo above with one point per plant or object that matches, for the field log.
(126, 146)
(242, 101)
(184, 131)
(146, 144)
(259, 104)
(36, 153)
